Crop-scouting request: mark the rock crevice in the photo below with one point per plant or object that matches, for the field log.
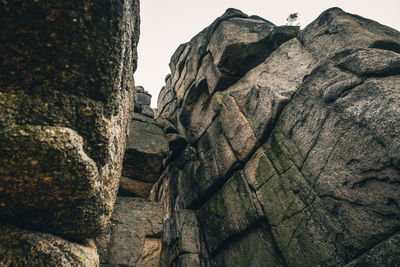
(270, 145)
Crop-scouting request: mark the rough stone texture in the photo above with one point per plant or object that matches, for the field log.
(293, 154)
(251, 249)
(180, 238)
(385, 254)
(133, 237)
(143, 98)
(64, 111)
(133, 187)
(205, 63)
(147, 111)
(20, 247)
(146, 148)
(228, 212)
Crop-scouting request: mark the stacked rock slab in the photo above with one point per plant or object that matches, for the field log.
(293, 144)
(146, 149)
(66, 94)
(133, 235)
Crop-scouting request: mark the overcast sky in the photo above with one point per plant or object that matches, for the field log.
(165, 24)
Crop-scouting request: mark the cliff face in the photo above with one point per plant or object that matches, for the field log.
(293, 154)
(271, 146)
(66, 83)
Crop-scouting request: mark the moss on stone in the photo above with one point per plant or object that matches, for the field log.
(276, 153)
(265, 170)
(227, 213)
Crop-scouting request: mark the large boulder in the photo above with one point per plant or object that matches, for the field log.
(20, 247)
(66, 99)
(294, 159)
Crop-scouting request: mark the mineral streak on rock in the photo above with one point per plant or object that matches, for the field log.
(293, 143)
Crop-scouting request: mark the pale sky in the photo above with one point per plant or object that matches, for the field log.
(165, 24)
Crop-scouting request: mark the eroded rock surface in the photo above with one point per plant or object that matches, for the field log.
(20, 247)
(133, 236)
(66, 98)
(147, 147)
(293, 143)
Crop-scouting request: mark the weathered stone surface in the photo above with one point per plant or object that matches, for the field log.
(247, 111)
(386, 253)
(229, 212)
(20, 247)
(147, 111)
(335, 31)
(134, 188)
(236, 45)
(142, 118)
(250, 40)
(255, 248)
(266, 89)
(66, 98)
(293, 160)
(151, 252)
(134, 234)
(139, 88)
(143, 98)
(345, 155)
(146, 148)
(180, 237)
(177, 143)
(165, 99)
(188, 260)
(166, 126)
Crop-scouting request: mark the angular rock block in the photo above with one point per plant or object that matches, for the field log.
(133, 187)
(133, 236)
(66, 86)
(180, 237)
(227, 213)
(146, 149)
(293, 160)
(253, 248)
(143, 98)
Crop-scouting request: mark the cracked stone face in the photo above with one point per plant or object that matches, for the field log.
(302, 146)
(66, 94)
(133, 235)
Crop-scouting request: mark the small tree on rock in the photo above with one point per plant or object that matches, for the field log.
(292, 19)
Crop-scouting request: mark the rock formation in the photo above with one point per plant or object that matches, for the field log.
(66, 83)
(293, 144)
(133, 235)
(146, 149)
(270, 145)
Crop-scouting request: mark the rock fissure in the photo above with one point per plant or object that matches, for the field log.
(271, 145)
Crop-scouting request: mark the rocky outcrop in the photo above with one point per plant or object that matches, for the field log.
(133, 236)
(292, 153)
(142, 102)
(66, 100)
(147, 147)
(20, 247)
(271, 145)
